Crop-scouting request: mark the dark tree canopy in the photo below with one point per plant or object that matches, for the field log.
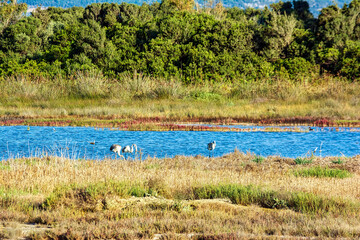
(174, 39)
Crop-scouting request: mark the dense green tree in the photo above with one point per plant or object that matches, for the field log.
(22, 37)
(277, 34)
(171, 38)
(350, 66)
(10, 13)
(124, 39)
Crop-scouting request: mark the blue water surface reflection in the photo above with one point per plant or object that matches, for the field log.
(75, 142)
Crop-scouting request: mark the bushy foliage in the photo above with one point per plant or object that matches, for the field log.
(174, 39)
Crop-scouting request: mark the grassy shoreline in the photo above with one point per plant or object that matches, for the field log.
(92, 96)
(228, 197)
(193, 124)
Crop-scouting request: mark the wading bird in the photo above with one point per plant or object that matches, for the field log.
(127, 149)
(116, 149)
(211, 146)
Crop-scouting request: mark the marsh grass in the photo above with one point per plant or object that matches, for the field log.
(73, 195)
(95, 197)
(178, 196)
(297, 201)
(322, 172)
(138, 95)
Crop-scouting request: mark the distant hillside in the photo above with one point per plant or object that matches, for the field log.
(315, 5)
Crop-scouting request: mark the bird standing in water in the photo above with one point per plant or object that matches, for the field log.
(127, 149)
(116, 149)
(211, 146)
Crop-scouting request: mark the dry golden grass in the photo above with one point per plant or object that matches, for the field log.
(45, 174)
(84, 199)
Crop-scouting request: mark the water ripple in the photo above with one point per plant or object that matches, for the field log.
(74, 142)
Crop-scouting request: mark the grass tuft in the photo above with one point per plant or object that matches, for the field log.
(258, 159)
(322, 172)
(338, 161)
(302, 161)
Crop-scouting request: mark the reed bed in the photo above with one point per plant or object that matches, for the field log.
(140, 96)
(229, 197)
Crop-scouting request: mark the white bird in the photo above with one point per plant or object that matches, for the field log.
(127, 149)
(116, 149)
(211, 146)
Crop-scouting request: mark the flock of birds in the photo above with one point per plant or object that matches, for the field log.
(116, 148)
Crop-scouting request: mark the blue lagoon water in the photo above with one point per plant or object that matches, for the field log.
(74, 142)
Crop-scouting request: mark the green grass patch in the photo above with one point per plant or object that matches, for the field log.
(207, 96)
(152, 166)
(298, 201)
(302, 161)
(322, 172)
(258, 159)
(338, 161)
(4, 166)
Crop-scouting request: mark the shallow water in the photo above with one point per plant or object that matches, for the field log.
(74, 142)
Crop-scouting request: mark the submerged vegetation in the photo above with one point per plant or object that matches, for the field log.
(177, 198)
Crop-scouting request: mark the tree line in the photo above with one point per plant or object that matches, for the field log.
(315, 5)
(177, 39)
